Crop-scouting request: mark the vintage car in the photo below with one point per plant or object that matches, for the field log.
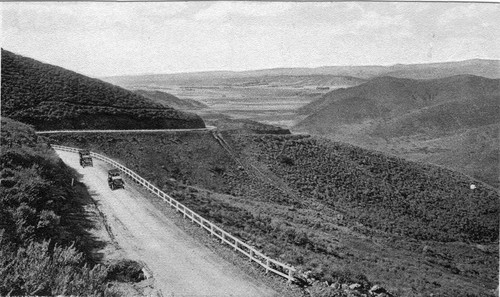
(85, 158)
(114, 179)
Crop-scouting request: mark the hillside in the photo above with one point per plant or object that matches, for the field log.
(44, 241)
(402, 107)
(50, 98)
(344, 213)
(401, 115)
(394, 96)
(475, 151)
(169, 100)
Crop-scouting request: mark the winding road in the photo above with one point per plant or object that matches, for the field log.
(180, 265)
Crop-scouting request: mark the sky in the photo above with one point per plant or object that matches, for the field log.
(124, 38)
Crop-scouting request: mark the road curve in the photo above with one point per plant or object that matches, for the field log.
(208, 128)
(180, 265)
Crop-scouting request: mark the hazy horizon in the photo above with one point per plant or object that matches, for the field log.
(298, 67)
(137, 38)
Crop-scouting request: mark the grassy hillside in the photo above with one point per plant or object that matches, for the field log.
(475, 151)
(342, 212)
(42, 245)
(50, 98)
(395, 96)
(401, 116)
(169, 100)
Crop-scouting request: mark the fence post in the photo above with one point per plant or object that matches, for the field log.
(251, 255)
(211, 229)
(267, 265)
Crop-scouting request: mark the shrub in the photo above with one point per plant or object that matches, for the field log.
(126, 271)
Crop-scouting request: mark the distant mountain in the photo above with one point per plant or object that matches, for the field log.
(169, 100)
(478, 67)
(403, 115)
(484, 68)
(50, 97)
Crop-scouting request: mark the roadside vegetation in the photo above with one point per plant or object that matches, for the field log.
(43, 251)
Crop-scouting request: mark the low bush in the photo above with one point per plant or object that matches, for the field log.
(126, 271)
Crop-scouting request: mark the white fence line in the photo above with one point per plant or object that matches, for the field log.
(238, 245)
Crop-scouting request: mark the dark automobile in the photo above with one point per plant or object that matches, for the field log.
(114, 179)
(85, 158)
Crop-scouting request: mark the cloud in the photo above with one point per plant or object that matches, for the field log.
(109, 38)
(53, 16)
(464, 13)
(222, 10)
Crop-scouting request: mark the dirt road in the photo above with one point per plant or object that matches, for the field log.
(180, 265)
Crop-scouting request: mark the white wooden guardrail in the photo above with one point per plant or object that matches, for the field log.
(238, 245)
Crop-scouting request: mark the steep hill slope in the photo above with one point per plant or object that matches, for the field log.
(50, 97)
(169, 100)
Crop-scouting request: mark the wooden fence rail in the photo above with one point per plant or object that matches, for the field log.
(269, 264)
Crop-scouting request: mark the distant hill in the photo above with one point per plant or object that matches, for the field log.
(413, 111)
(478, 67)
(402, 107)
(169, 100)
(50, 97)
